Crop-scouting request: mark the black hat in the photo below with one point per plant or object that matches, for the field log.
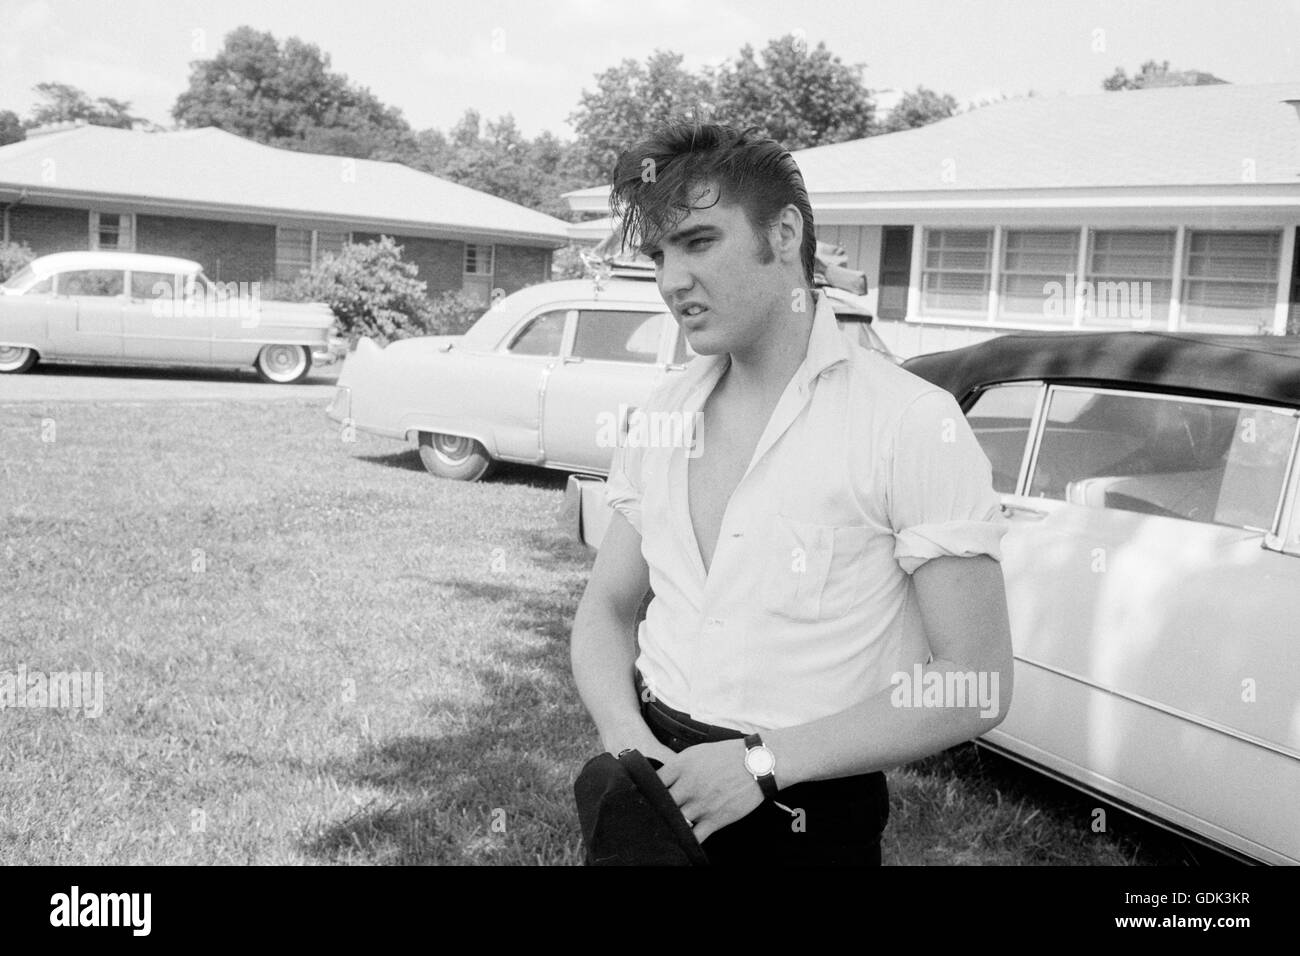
(629, 818)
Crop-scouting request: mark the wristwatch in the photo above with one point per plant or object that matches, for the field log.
(761, 764)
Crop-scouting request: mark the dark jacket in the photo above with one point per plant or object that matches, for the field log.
(628, 817)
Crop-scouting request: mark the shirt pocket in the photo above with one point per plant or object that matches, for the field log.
(811, 572)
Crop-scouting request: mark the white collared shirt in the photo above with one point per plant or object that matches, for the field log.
(864, 472)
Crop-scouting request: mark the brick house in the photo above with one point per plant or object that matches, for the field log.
(250, 212)
(1047, 213)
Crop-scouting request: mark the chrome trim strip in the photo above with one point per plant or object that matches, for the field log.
(1127, 806)
(1031, 446)
(541, 411)
(1283, 520)
(1171, 711)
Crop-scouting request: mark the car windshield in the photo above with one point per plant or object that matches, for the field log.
(20, 279)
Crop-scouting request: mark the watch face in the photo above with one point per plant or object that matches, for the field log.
(759, 761)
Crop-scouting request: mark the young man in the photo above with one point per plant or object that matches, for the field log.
(834, 527)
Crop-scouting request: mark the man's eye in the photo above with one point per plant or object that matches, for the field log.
(695, 242)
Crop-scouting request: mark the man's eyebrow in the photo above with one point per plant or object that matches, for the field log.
(677, 238)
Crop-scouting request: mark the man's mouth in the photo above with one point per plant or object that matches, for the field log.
(691, 311)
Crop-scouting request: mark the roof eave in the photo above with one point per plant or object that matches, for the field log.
(849, 208)
(241, 213)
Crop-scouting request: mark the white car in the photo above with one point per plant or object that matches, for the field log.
(126, 308)
(1152, 568)
(540, 379)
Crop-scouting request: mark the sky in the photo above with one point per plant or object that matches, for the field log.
(434, 59)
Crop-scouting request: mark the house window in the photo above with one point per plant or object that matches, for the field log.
(1130, 275)
(1231, 280)
(478, 260)
(112, 230)
(1034, 262)
(477, 281)
(297, 250)
(329, 243)
(955, 275)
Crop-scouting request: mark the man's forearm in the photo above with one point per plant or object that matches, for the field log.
(877, 735)
(604, 655)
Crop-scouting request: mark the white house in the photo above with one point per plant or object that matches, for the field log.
(1171, 208)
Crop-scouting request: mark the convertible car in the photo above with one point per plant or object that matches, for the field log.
(545, 377)
(1152, 568)
(126, 308)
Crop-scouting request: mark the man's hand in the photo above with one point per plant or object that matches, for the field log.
(647, 745)
(711, 786)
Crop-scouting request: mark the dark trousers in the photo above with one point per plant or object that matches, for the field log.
(834, 822)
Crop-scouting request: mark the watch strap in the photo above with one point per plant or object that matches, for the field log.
(766, 781)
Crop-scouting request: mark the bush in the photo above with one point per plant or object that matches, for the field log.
(13, 256)
(452, 313)
(372, 291)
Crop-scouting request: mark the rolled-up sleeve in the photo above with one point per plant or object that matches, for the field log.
(941, 493)
(624, 487)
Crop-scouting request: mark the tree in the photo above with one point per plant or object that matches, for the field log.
(1153, 74)
(13, 256)
(629, 100)
(919, 108)
(799, 97)
(496, 158)
(11, 128)
(289, 97)
(61, 103)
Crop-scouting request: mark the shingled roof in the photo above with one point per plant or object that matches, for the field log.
(1194, 136)
(192, 171)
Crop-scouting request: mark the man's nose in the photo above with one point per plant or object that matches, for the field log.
(674, 276)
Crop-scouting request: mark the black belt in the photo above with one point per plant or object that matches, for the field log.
(848, 813)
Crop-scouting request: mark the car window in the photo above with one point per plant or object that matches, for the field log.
(152, 285)
(23, 278)
(608, 335)
(543, 336)
(1215, 462)
(1001, 418)
(91, 282)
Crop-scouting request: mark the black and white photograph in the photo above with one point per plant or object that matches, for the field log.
(583, 433)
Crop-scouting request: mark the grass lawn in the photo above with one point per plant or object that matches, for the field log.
(314, 652)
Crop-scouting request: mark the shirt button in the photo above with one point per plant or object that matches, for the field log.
(712, 624)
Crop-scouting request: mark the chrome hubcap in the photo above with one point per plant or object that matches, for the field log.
(283, 362)
(452, 449)
(11, 355)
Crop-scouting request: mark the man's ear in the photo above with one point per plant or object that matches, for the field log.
(786, 235)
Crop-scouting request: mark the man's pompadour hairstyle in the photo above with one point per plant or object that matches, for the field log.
(660, 180)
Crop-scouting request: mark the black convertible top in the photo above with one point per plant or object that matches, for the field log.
(1263, 368)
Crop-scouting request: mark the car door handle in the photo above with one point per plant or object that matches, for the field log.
(1024, 511)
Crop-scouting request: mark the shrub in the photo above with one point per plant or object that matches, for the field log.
(372, 290)
(13, 256)
(452, 313)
